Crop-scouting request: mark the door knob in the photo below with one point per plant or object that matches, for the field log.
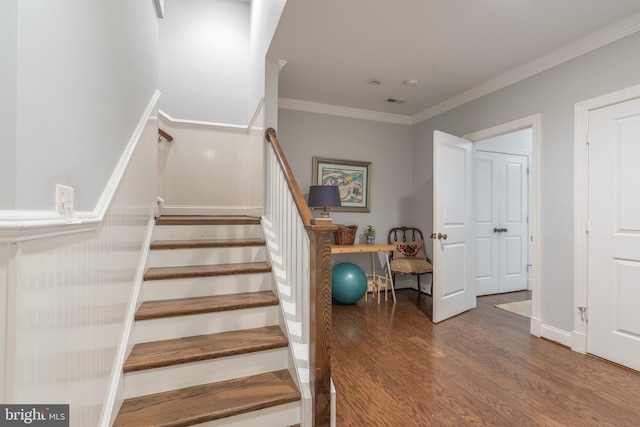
(497, 230)
(432, 235)
(503, 230)
(442, 236)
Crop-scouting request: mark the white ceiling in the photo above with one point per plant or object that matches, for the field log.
(457, 49)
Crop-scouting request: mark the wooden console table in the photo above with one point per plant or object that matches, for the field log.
(372, 249)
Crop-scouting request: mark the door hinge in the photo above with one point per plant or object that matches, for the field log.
(588, 138)
(583, 313)
(586, 228)
(527, 171)
(529, 267)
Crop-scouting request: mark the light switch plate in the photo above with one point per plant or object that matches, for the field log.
(64, 202)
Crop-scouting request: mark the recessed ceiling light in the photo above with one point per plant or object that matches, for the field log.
(373, 82)
(411, 82)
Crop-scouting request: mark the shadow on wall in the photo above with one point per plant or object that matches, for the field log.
(420, 211)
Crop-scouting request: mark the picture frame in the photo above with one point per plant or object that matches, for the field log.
(352, 177)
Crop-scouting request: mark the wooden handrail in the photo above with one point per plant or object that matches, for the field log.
(319, 231)
(165, 135)
(303, 209)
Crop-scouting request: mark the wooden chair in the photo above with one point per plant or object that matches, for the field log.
(409, 257)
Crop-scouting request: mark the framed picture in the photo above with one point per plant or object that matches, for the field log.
(353, 178)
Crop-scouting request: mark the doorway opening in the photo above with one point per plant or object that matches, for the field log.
(529, 129)
(502, 236)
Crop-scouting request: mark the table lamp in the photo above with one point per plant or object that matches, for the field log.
(324, 196)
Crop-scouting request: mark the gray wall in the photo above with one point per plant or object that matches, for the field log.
(204, 60)
(85, 74)
(265, 15)
(553, 94)
(8, 105)
(387, 146)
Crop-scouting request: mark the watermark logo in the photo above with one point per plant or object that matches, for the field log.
(34, 415)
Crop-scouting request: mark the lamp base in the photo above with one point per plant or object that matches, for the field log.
(322, 222)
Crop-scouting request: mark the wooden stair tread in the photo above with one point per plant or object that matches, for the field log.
(206, 220)
(209, 304)
(203, 347)
(209, 402)
(206, 243)
(163, 273)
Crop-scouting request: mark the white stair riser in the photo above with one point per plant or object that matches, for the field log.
(193, 232)
(207, 323)
(276, 416)
(205, 256)
(201, 372)
(204, 286)
(207, 371)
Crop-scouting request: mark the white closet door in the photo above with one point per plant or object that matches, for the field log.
(614, 233)
(487, 217)
(501, 229)
(514, 211)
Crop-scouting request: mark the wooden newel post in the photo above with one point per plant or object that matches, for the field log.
(320, 315)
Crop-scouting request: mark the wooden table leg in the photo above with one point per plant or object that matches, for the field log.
(393, 289)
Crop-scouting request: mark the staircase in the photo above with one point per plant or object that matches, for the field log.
(209, 350)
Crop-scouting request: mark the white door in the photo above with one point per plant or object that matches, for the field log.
(453, 290)
(501, 228)
(614, 234)
(487, 218)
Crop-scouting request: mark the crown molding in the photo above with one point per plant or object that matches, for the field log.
(593, 41)
(335, 110)
(600, 38)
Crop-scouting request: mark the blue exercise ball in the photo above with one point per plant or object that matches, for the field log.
(348, 283)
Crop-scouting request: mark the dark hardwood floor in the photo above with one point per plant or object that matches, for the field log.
(393, 367)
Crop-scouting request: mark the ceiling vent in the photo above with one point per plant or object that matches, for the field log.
(396, 101)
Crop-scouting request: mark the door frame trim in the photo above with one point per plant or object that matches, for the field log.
(581, 206)
(535, 123)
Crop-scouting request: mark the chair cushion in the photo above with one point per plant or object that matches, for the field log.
(410, 266)
(413, 250)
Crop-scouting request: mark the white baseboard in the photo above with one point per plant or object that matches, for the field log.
(115, 393)
(333, 404)
(536, 327)
(556, 335)
(579, 342)
(255, 211)
(158, 207)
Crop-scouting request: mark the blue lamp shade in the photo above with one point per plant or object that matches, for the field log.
(324, 196)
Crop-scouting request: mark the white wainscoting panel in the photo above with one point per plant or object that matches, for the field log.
(255, 177)
(4, 284)
(208, 169)
(71, 295)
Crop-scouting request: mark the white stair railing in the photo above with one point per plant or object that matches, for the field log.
(300, 251)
